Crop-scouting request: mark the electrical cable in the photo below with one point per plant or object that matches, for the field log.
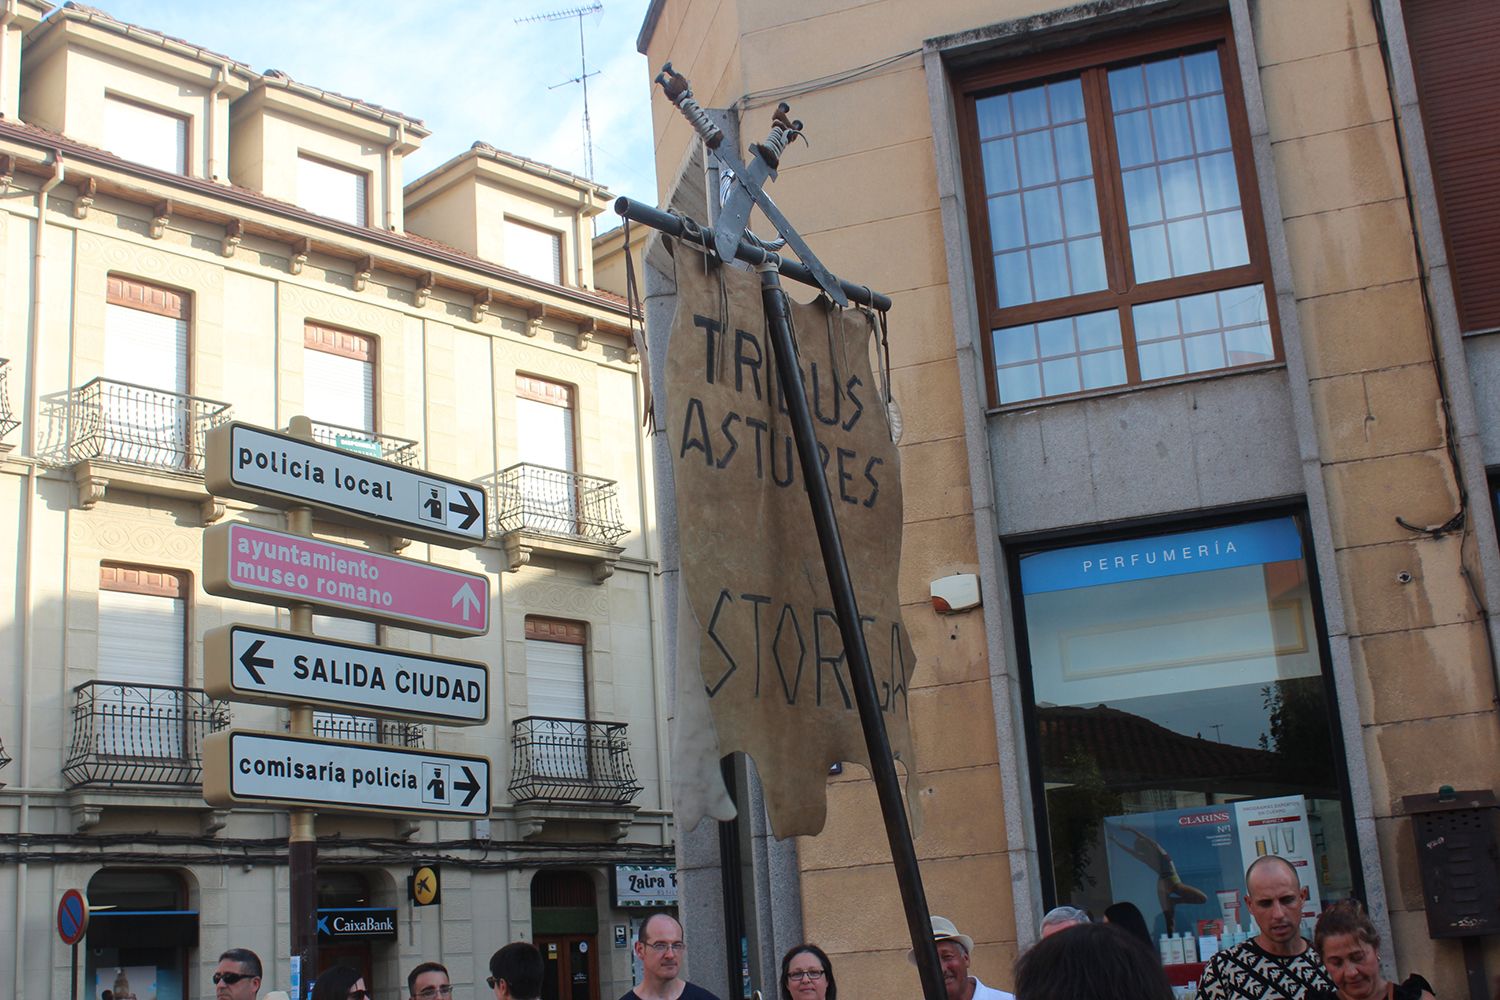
(760, 98)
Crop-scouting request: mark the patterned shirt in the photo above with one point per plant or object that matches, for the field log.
(1248, 972)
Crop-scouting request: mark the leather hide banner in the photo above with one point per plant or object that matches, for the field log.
(760, 660)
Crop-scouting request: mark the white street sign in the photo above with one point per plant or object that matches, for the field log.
(271, 769)
(263, 466)
(242, 663)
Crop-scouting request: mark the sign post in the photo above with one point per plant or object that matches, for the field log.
(72, 926)
(292, 569)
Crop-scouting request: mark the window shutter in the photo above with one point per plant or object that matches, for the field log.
(145, 349)
(1453, 45)
(533, 251)
(153, 138)
(142, 638)
(338, 389)
(544, 423)
(337, 192)
(555, 684)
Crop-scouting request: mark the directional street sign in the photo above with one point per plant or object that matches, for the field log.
(242, 663)
(273, 567)
(272, 769)
(262, 466)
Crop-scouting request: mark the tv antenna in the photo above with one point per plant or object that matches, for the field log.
(583, 71)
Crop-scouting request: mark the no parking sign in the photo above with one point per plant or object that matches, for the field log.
(72, 917)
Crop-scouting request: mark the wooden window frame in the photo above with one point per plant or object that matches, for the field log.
(145, 297)
(547, 629)
(153, 581)
(1090, 62)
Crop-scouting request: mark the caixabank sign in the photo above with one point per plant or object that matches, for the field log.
(360, 922)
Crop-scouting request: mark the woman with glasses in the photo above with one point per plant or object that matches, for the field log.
(340, 983)
(806, 974)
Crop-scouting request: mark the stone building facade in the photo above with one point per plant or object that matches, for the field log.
(185, 241)
(1187, 384)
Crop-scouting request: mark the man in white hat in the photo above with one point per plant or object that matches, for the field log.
(953, 956)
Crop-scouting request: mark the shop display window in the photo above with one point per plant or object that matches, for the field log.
(140, 936)
(1180, 723)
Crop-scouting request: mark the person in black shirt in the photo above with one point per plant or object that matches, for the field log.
(516, 972)
(1278, 963)
(660, 948)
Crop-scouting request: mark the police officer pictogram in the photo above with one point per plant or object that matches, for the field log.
(433, 498)
(435, 782)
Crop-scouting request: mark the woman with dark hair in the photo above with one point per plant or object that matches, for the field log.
(1091, 961)
(340, 982)
(1350, 946)
(806, 974)
(1127, 916)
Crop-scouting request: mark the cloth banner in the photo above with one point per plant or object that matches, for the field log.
(760, 660)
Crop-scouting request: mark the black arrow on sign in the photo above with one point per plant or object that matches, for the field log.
(250, 661)
(469, 784)
(468, 510)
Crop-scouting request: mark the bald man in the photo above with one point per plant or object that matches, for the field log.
(1278, 963)
(660, 947)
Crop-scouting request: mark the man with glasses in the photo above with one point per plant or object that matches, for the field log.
(238, 975)
(516, 972)
(660, 947)
(429, 981)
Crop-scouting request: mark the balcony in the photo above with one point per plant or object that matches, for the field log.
(4, 759)
(360, 729)
(367, 443)
(140, 735)
(562, 513)
(8, 421)
(111, 432)
(571, 760)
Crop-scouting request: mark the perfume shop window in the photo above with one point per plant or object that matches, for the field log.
(1180, 723)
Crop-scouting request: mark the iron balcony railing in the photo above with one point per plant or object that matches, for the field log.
(367, 443)
(8, 421)
(571, 760)
(360, 729)
(138, 425)
(4, 759)
(140, 734)
(546, 501)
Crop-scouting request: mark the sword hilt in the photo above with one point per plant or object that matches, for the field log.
(677, 90)
(783, 130)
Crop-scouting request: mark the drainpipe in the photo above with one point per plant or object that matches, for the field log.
(398, 138)
(7, 15)
(221, 81)
(28, 507)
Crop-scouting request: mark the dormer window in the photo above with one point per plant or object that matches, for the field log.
(334, 191)
(145, 135)
(533, 251)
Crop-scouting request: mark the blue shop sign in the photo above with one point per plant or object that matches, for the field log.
(361, 922)
(1161, 555)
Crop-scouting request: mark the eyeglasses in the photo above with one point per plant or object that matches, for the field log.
(491, 980)
(436, 991)
(230, 978)
(812, 974)
(359, 995)
(663, 946)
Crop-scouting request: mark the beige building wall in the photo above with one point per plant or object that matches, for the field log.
(450, 332)
(1414, 674)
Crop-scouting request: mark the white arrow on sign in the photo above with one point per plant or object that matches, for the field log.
(466, 596)
(264, 466)
(273, 769)
(243, 663)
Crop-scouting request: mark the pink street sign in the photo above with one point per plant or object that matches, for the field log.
(272, 567)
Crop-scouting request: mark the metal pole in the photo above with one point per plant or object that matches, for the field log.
(877, 741)
(73, 983)
(302, 840)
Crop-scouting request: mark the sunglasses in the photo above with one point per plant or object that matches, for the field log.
(359, 995)
(230, 978)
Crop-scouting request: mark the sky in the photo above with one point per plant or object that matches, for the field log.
(466, 69)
